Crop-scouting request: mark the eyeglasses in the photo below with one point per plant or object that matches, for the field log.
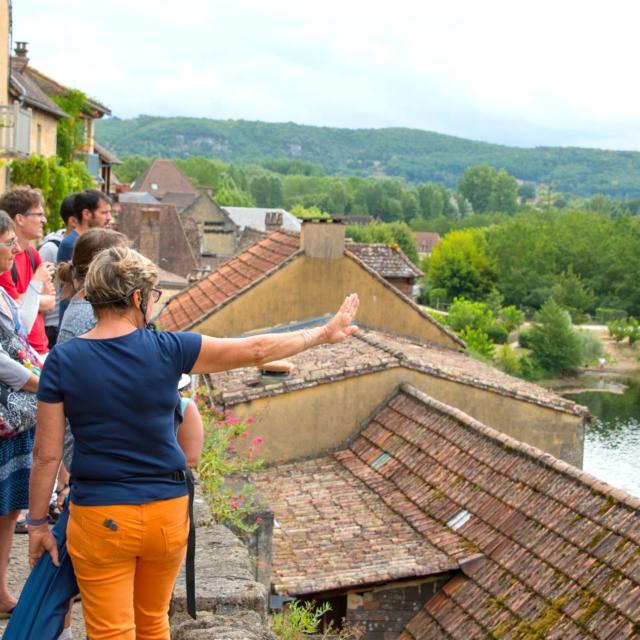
(40, 214)
(9, 244)
(156, 294)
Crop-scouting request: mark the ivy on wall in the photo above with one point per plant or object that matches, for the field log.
(54, 178)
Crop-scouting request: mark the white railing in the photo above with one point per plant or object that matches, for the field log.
(15, 130)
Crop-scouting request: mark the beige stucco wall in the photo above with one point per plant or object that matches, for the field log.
(311, 287)
(4, 52)
(204, 210)
(308, 422)
(48, 134)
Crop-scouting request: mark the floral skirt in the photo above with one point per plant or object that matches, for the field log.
(15, 466)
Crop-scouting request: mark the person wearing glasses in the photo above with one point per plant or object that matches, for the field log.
(25, 206)
(128, 510)
(15, 452)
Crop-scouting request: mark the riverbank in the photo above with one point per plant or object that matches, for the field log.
(621, 361)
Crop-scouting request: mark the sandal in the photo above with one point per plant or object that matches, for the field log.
(21, 527)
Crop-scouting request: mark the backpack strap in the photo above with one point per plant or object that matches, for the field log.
(32, 260)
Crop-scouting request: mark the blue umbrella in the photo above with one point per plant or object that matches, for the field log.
(44, 601)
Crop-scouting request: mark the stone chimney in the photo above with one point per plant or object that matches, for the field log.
(20, 60)
(150, 233)
(322, 238)
(273, 221)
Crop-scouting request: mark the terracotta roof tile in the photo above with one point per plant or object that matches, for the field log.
(372, 351)
(229, 281)
(553, 567)
(388, 260)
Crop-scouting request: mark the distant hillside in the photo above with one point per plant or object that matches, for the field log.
(417, 156)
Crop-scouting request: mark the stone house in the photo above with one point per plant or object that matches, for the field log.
(426, 241)
(422, 493)
(290, 281)
(158, 233)
(390, 262)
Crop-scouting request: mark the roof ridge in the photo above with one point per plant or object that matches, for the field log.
(444, 330)
(531, 452)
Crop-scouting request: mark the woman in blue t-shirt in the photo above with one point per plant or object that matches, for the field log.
(116, 384)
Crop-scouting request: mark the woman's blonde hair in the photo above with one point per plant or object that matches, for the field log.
(114, 274)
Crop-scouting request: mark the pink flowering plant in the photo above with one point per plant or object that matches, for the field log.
(229, 456)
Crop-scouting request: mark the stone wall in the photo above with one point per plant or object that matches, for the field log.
(382, 613)
(230, 604)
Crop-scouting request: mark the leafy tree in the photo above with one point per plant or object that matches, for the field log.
(489, 190)
(555, 346)
(229, 194)
(526, 191)
(478, 342)
(511, 317)
(570, 292)
(460, 264)
(71, 136)
(131, 168)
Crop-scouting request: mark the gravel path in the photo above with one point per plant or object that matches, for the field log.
(18, 572)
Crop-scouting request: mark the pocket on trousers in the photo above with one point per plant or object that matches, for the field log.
(101, 541)
(175, 536)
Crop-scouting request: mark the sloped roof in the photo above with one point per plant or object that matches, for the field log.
(53, 88)
(254, 217)
(347, 536)
(388, 260)
(167, 178)
(138, 197)
(426, 239)
(108, 157)
(25, 88)
(180, 200)
(556, 552)
(369, 351)
(230, 280)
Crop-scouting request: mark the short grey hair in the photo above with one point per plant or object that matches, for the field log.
(6, 223)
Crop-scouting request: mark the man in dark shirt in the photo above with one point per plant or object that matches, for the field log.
(92, 208)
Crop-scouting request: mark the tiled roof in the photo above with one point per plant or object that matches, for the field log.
(166, 176)
(24, 87)
(138, 197)
(345, 534)
(426, 240)
(370, 351)
(53, 88)
(108, 157)
(389, 261)
(229, 281)
(180, 200)
(559, 550)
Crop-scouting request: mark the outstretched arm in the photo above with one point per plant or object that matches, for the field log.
(221, 354)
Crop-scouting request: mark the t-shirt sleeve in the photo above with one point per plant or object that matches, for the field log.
(191, 344)
(49, 387)
(6, 282)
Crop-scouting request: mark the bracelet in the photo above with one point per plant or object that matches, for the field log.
(35, 522)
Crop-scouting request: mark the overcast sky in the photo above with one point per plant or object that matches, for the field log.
(513, 72)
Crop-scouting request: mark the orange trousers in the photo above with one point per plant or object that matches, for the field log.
(126, 559)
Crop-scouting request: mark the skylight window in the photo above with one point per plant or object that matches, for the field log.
(380, 460)
(154, 186)
(459, 520)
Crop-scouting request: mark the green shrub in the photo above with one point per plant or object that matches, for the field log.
(524, 338)
(497, 333)
(464, 314)
(591, 346)
(604, 315)
(478, 342)
(298, 619)
(511, 317)
(507, 360)
(555, 346)
(618, 329)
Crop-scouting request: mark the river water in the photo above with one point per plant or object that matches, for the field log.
(612, 442)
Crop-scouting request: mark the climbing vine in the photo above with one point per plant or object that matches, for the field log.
(54, 178)
(71, 130)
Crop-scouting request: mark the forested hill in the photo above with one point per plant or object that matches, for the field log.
(417, 156)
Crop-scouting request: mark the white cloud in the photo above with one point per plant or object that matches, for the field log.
(520, 73)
